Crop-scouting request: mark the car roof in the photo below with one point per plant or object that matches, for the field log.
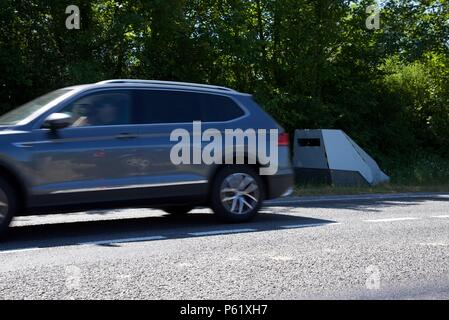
(159, 84)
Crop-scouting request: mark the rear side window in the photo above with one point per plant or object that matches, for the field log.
(166, 107)
(155, 106)
(219, 108)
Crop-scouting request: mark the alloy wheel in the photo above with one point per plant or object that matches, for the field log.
(239, 193)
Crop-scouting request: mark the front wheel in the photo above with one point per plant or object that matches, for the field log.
(8, 205)
(237, 194)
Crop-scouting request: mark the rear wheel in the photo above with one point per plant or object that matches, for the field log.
(178, 210)
(237, 193)
(8, 205)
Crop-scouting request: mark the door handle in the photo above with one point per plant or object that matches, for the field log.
(126, 136)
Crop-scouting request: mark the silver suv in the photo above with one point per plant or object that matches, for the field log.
(110, 144)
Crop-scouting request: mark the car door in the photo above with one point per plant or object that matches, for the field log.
(160, 112)
(93, 160)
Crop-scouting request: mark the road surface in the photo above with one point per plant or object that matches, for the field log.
(357, 247)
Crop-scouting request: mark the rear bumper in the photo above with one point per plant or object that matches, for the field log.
(279, 185)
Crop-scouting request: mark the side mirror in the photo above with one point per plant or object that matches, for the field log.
(57, 121)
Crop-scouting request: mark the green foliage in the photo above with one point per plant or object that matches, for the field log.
(310, 63)
(421, 169)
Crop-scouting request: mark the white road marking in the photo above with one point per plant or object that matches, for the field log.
(19, 250)
(435, 244)
(282, 258)
(441, 217)
(304, 225)
(123, 240)
(392, 219)
(215, 232)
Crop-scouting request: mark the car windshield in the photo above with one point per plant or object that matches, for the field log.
(16, 115)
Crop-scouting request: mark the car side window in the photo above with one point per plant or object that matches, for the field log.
(101, 109)
(219, 108)
(159, 106)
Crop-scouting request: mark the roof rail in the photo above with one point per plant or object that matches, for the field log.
(173, 83)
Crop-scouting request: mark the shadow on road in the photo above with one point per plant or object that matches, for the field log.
(108, 232)
(129, 229)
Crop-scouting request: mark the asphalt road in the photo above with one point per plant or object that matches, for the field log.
(369, 247)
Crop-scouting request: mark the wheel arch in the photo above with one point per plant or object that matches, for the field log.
(256, 166)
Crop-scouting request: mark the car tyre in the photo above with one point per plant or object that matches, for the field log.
(237, 193)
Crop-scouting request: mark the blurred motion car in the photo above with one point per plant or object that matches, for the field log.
(107, 145)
